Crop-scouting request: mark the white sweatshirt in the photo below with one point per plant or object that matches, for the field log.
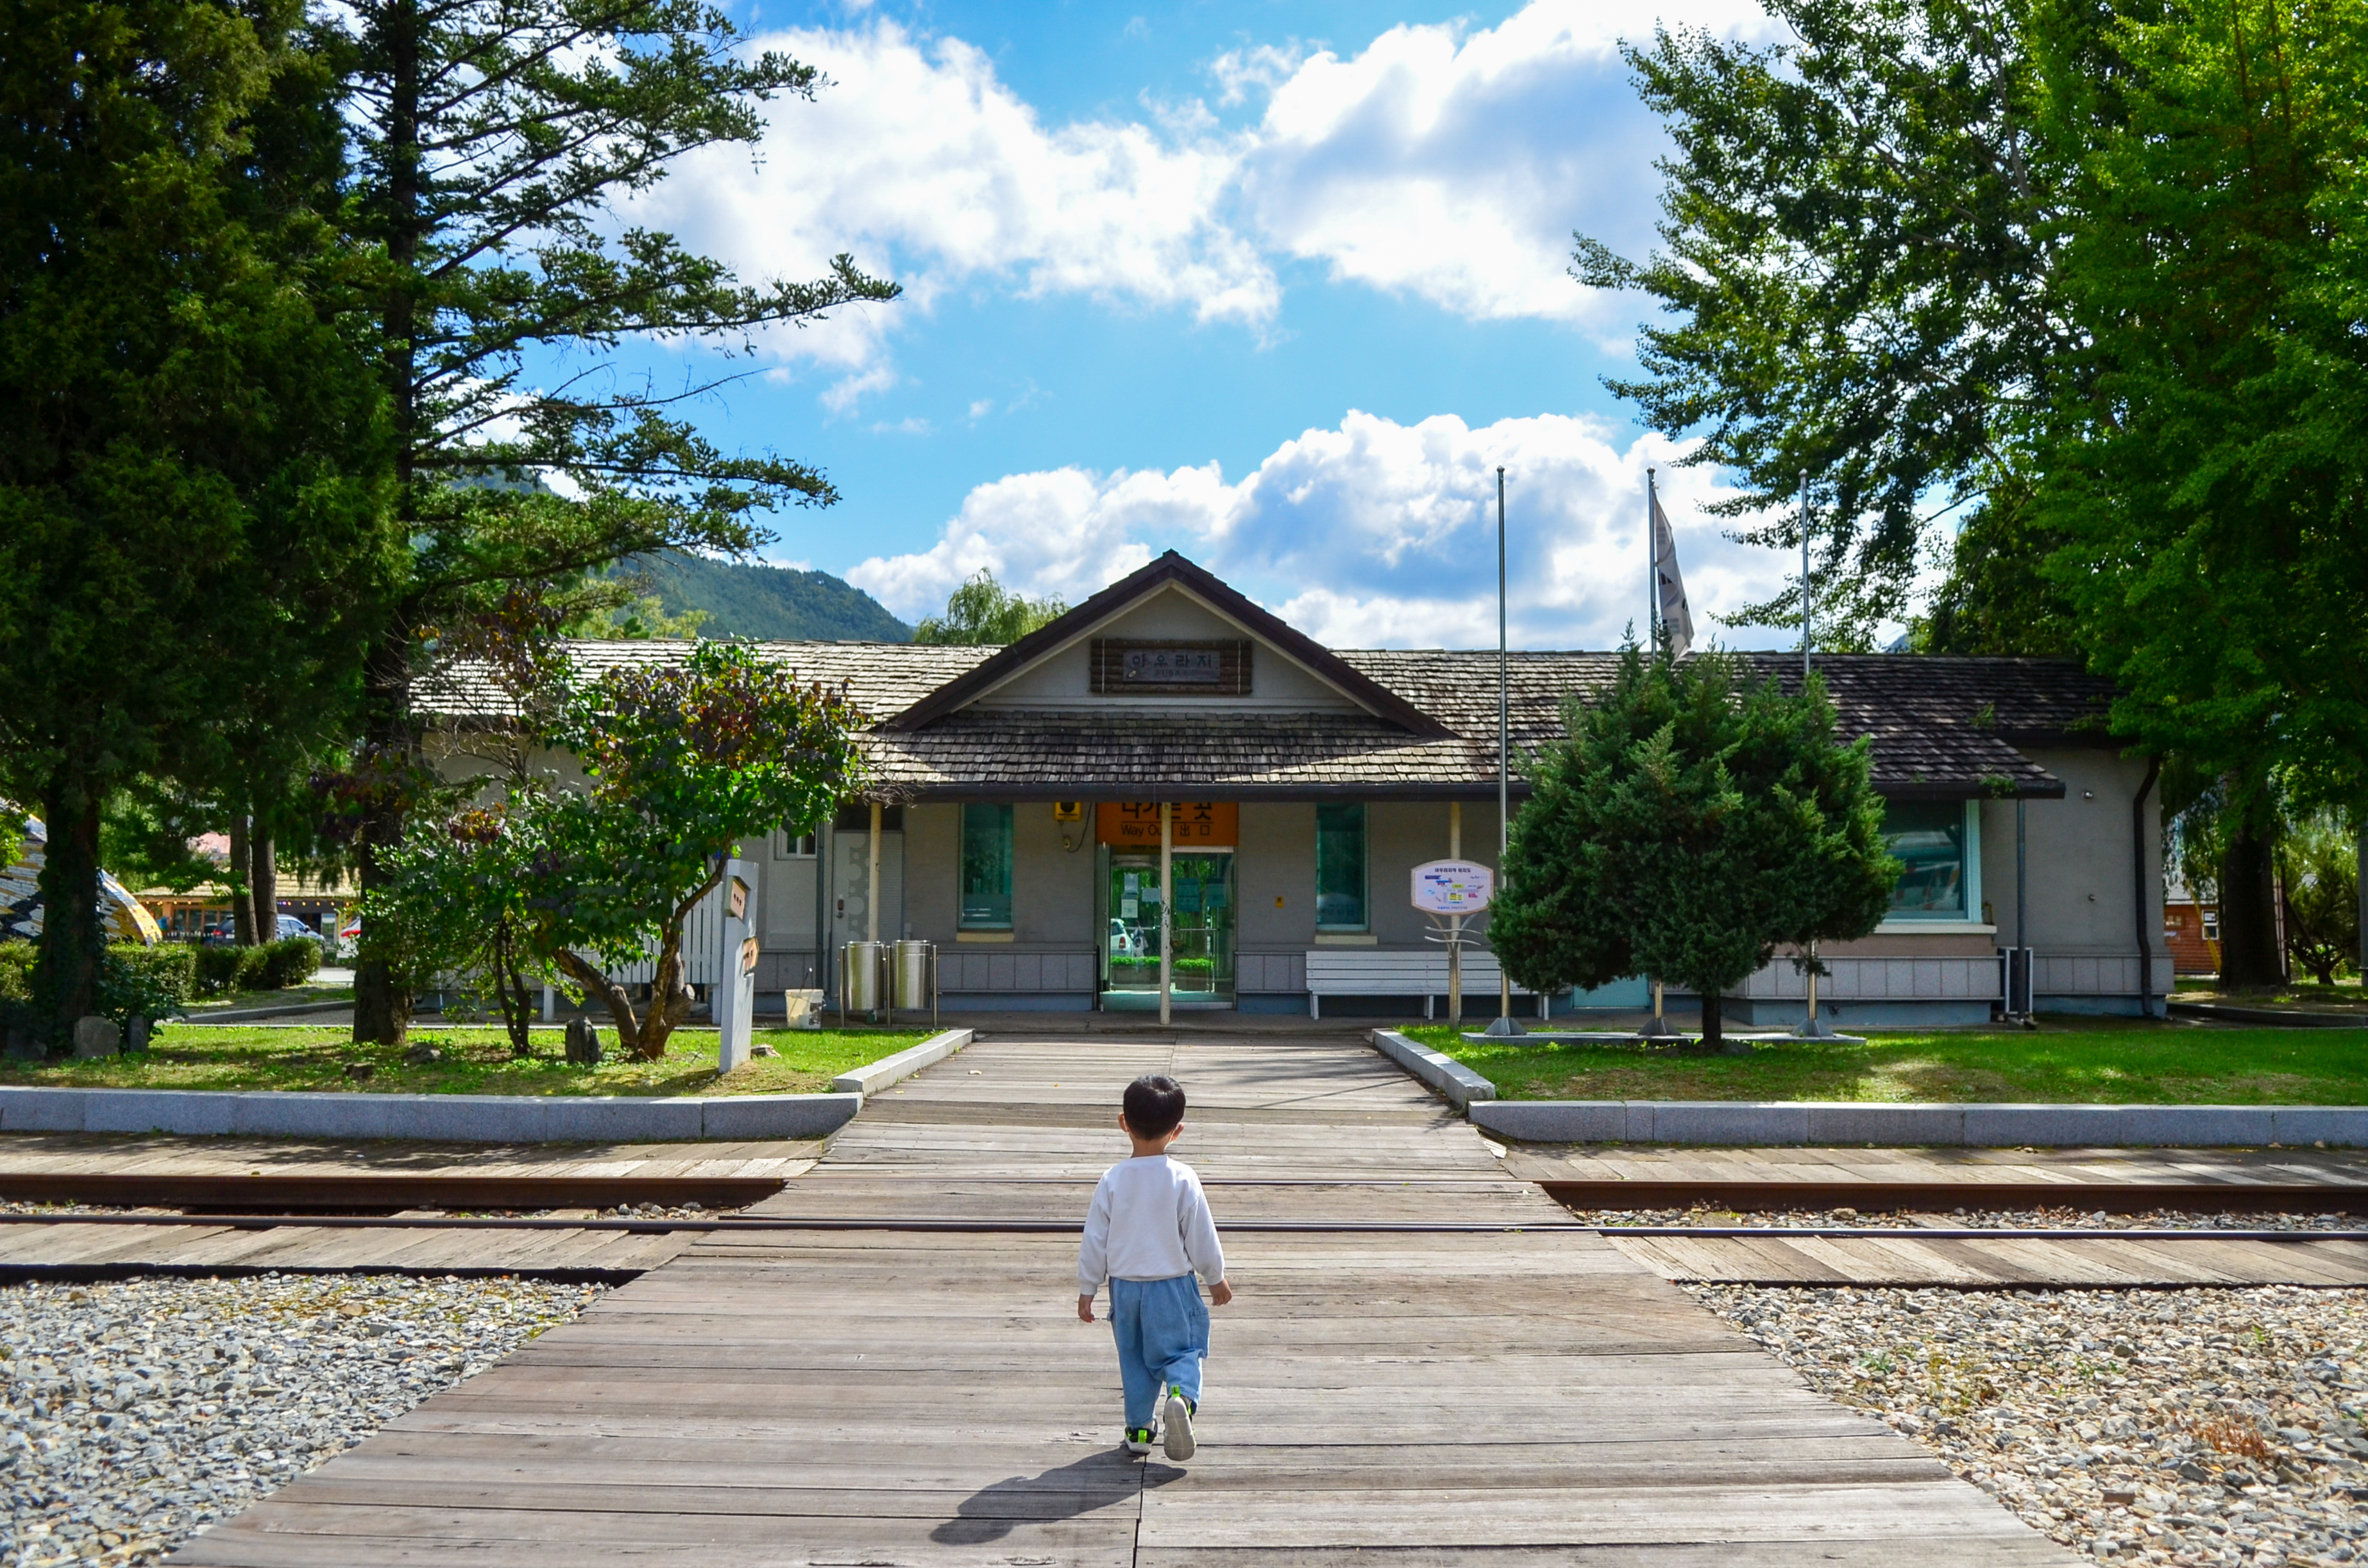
(1149, 1221)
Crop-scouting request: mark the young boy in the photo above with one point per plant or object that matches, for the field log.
(1148, 1233)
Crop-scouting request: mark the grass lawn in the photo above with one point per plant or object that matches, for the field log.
(475, 1062)
(2098, 1061)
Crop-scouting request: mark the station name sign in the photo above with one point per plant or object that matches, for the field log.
(1220, 667)
(1134, 824)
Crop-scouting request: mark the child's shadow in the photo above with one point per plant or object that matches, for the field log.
(1095, 1482)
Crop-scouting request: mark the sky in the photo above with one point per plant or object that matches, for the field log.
(1279, 285)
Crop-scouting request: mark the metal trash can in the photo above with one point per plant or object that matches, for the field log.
(912, 967)
(861, 991)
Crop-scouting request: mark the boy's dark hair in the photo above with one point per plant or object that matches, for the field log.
(1154, 1105)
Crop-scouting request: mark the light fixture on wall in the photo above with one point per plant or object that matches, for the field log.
(1070, 817)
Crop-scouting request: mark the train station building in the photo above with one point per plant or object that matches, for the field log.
(1018, 794)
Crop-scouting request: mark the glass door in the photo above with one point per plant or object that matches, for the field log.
(1202, 921)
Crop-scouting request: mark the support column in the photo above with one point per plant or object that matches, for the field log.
(871, 894)
(1454, 922)
(1166, 910)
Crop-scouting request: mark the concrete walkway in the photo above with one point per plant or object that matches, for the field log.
(888, 1396)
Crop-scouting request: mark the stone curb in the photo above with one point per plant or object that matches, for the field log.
(873, 1077)
(460, 1118)
(250, 1015)
(1449, 1077)
(1745, 1123)
(2276, 1017)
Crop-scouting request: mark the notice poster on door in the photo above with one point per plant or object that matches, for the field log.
(1199, 825)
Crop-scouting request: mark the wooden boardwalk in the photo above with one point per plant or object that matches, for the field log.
(892, 1398)
(2024, 1263)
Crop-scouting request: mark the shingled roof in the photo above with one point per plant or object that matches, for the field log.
(1943, 728)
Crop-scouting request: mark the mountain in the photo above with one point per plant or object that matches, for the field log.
(770, 602)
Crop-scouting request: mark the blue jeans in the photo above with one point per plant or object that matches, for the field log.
(1161, 1328)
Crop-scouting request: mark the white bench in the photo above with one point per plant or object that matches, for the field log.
(1379, 971)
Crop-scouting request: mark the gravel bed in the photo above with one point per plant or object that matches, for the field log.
(2194, 1426)
(1978, 1219)
(133, 1414)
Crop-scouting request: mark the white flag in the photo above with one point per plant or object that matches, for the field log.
(1676, 619)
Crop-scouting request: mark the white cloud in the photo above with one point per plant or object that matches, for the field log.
(926, 166)
(1373, 534)
(1441, 160)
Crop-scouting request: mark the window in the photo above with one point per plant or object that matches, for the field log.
(1341, 868)
(986, 867)
(2210, 925)
(793, 845)
(1935, 841)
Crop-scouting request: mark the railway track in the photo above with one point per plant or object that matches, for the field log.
(1783, 1232)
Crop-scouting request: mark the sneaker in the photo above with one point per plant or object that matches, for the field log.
(1138, 1439)
(1178, 1424)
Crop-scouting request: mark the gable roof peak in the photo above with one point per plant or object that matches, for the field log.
(1171, 568)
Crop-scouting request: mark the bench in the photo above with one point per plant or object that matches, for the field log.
(1380, 971)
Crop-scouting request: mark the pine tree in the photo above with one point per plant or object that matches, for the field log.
(1691, 822)
(190, 535)
(496, 138)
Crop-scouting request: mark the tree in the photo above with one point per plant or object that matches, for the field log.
(2318, 868)
(494, 139)
(681, 764)
(1860, 232)
(1691, 821)
(186, 441)
(2208, 468)
(983, 612)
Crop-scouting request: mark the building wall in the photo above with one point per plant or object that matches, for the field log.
(2083, 900)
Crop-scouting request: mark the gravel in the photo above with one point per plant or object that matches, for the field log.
(1978, 1219)
(133, 1414)
(2204, 1426)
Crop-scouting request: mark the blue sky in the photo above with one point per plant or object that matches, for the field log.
(1275, 284)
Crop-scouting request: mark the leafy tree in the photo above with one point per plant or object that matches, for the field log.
(983, 612)
(1860, 242)
(1692, 822)
(186, 439)
(2318, 865)
(456, 908)
(2208, 467)
(494, 139)
(682, 763)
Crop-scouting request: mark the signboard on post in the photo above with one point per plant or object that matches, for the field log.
(733, 997)
(1453, 887)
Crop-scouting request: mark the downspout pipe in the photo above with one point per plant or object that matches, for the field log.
(2138, 885)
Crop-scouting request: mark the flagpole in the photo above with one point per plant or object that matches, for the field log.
(1804, 578)
(1653, 635)
(1504, 1024)
(1815, 1029)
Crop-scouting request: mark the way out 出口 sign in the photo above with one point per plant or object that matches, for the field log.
(1200, 824)
(1453, 887)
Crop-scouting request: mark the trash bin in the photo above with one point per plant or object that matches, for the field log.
(864, 960)
(912, 966)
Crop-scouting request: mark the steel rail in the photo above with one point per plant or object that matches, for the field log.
(726, 1224)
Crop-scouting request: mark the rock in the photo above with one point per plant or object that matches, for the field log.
(145, 1410)
(361, 1072)
(95, 1036)
(761, 1049)
(423, 1056)
(139, 1032)
(583, 1043)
